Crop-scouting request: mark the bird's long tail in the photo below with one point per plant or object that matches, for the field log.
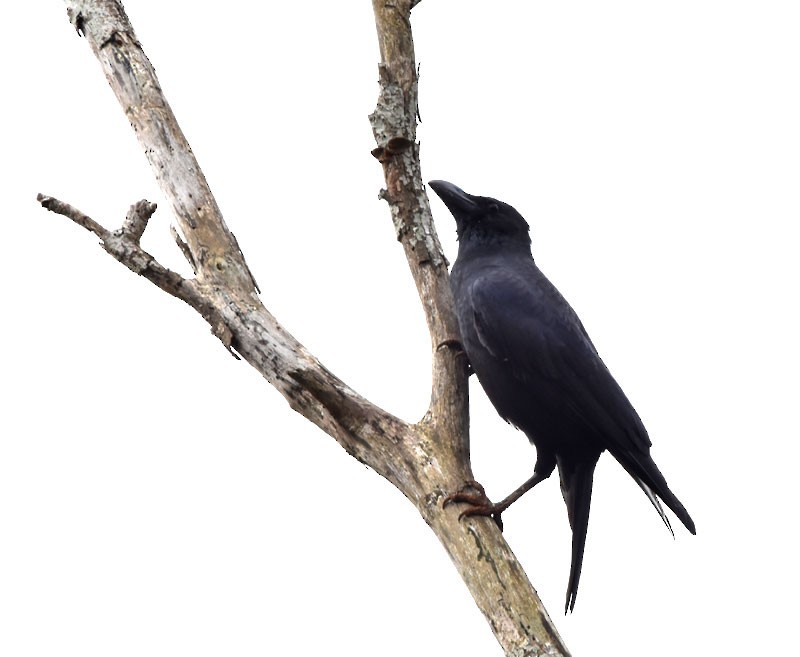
(576, 487)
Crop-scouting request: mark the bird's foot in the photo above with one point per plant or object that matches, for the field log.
(458, 348)
(473, 493)
(451, 343)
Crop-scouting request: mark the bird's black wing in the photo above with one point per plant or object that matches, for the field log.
(525, 322)
(522, 320)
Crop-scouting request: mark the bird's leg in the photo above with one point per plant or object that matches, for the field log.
(481, 505)
(537, 477)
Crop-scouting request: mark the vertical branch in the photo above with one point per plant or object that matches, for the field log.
(394, 124)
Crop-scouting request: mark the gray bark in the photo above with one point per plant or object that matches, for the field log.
(425, 460)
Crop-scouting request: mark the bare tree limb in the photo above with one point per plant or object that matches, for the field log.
(425, 460)
(394, 124)
(123, 244)
(134, 82)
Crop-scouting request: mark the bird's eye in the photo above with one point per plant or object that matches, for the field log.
(492, 208)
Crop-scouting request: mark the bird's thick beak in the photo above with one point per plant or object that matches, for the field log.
(456, 199)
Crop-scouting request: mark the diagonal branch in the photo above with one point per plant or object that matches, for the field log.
(133, 80)
(364, 430)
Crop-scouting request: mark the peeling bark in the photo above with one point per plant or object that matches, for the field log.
(425, 460)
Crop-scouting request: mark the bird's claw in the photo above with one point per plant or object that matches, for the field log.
(451, 343)
(473, 493)
(458, 348)
(454, 344)
(463, 494)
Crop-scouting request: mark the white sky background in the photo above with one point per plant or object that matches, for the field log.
(158, 497)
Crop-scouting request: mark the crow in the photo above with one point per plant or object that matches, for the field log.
(540, 370)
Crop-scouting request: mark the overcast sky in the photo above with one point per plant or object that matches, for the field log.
(158, 497)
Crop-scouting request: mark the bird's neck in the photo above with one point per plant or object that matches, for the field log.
(490, 247)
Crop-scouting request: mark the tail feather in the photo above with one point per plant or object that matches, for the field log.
(678, 509)
(646, 473)
(576, 487)
(654, 501)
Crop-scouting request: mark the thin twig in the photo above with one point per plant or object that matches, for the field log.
(123, 244)
(184, 248)
(59, 207)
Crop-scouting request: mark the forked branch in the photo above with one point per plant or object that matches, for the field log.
(425, 460)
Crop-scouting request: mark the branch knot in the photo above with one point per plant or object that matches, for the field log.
(392, 147)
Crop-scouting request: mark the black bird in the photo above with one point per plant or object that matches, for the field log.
(540, 370)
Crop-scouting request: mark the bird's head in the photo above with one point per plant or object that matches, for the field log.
(483, 220)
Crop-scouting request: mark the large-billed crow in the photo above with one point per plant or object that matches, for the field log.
(541, 371)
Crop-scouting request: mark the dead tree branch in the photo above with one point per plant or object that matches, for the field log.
(425, 460)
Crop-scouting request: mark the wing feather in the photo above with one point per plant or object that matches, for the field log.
(529, 325)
